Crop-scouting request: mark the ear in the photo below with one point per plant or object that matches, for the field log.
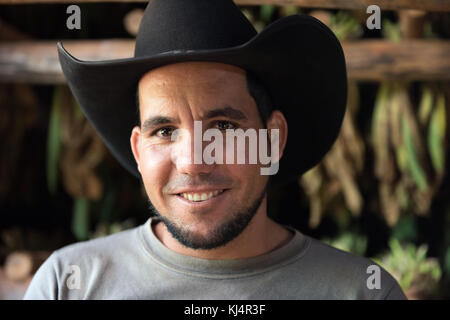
(278, 121)
(135, 145)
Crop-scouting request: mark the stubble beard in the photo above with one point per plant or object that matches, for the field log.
(221, 235)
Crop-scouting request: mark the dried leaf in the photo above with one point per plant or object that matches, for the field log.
(93, 187)
(338, 167)
(80, 219)
(266, 12)
(412, 158)
(384, 162)
(436, 135)
(426, 105)
(389, 204)
(54, 142)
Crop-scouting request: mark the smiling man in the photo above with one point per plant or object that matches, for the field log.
(202, 62)
(203, 206)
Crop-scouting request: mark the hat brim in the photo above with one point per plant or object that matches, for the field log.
(298, 59)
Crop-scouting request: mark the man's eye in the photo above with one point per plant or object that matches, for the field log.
(224, 125)
(163, 132)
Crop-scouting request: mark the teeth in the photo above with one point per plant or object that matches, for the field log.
(196, 197)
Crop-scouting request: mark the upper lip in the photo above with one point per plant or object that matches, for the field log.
(199, 190)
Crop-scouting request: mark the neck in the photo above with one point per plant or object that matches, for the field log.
(261, 236)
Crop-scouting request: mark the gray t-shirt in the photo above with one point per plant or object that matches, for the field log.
(134, 264)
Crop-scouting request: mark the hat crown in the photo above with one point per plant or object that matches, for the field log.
(173, 25)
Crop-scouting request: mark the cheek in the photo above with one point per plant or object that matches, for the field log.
(252, 172)
(253, 149)
(250, 183)
(155, 164)
(248, 175)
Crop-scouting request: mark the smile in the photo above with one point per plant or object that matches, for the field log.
(200, 196)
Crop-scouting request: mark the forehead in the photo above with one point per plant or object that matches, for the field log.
(194, 83)
(194, 71)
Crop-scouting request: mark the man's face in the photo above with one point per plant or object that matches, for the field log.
(173, 97)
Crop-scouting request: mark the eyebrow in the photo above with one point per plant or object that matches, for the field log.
(153, 122)
(227, 112)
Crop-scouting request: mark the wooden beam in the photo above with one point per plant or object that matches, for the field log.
(37, 61)
(407, 60)
(427, 5)
(368, 60)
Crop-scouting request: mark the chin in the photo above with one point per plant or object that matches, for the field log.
(204, 222)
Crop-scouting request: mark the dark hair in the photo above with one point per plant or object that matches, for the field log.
(255, 88)
(261, 97)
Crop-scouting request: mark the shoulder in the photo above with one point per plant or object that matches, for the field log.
(99, 251)
(347, 275)
(88, 260)
(331, 257)
(102, 246)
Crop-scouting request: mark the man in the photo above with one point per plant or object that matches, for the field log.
(202, 72)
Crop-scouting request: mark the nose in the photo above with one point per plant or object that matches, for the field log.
(187, 153)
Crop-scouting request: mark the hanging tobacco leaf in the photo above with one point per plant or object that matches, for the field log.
(384, 164)
(266, 12)
(426, 105)
(413, 163)
(436, 135)
(54, 141)
(80, 219)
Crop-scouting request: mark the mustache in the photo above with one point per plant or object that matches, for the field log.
(204, 180)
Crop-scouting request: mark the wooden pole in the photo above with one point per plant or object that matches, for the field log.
(413, 60)
(427, 5)
(37, 61)
(412, 23)
(372, 60)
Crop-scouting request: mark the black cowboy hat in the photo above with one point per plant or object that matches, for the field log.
(297, 58)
